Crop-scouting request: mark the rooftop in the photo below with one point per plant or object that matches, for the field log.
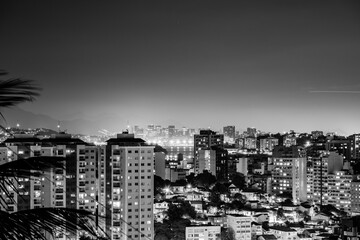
(269, 237)
(283, 229)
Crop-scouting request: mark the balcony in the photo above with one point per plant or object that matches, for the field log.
(59, 190)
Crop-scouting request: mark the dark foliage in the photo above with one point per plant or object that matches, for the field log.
(204, 179)
(227, 234)
(35, 223)
(174, 230)
(24, 168)
(238, 179)
(179, 211)
(15, 91)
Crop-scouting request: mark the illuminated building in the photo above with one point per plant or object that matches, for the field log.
(205, 140)
(80, 185)
(203, 232)
(299, 180)
(250, 143)
(289, 140)
(206, 160)
(355, 196)
(179, 152)
(289, 172)
(322, 166)
(341, 146)
(355, 146)
(229, 134)
(224, 163)
(174, 174)
(339, 190)
(129, 189)
(268, 144)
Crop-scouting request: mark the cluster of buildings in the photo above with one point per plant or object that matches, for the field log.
(116, 179)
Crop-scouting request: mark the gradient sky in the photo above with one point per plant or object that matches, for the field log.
(274, 65)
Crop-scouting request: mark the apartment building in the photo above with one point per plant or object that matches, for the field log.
(129, 188)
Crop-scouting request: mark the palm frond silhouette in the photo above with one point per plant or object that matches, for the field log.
(40, 223)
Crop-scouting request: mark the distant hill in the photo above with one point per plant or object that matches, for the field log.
(28, 119)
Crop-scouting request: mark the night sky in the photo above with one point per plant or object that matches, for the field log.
(274, 65)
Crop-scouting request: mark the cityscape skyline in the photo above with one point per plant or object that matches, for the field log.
(180, 120)
(270, 65)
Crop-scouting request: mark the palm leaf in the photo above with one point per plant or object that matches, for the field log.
(31, 167)
(38, 223)
(16, 90)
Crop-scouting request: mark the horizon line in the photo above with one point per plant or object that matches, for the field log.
(335, 91)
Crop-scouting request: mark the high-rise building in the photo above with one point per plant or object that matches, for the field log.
(321, 167)
(171, 131)
(289, 172)
(251, 132)
(355, 195)
(250, 143)
(339, 145)
(339, 185)
(224, 163)
(229, 134)
(355, 146)
(160, 164)
(242, 165)
(206, 140)
(206, 160)
(129, 188)
(80, 185)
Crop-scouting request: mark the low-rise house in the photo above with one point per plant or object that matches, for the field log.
(251, 194)
(203, 232)
(261, 217)
(217, 220)
(283, 233)
(289, 206)
(254, 204)
(161, 206)
(312, 232)
(179, 189)
(160, 210)
(233, 189)
(251, 212)
(194, 196)
(298, 226)
(198, 205)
